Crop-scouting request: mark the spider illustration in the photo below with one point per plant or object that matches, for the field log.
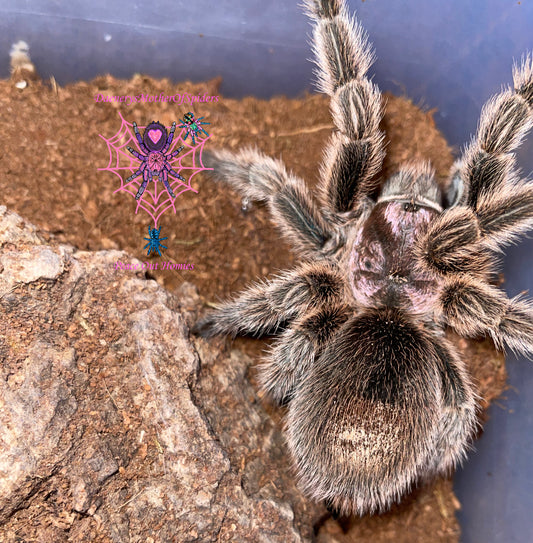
(155, 161)
(154, 241)
(192, 125)
(377, 397)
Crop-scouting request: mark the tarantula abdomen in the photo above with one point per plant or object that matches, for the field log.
(359, 415)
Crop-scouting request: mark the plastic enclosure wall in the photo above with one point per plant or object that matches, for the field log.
(446, 55)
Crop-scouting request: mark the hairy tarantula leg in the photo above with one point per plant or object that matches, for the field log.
(295, 350)
(136, 154)
(505, 216)
(488, 162)
(355, 152)
(474, 308)
(164, 178)
(139, 139)
(494, 208)
(265, 307)
(170, 138)
(142, 188)
(458, 412)
(258, 177)
(458, 240)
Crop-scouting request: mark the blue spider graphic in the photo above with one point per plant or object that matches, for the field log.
(193, 126)
(154, 241)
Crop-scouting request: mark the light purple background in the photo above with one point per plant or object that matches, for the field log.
(450, 55)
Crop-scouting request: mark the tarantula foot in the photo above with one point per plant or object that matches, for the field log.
(286, 400)
(206, 327)
(210, 161)
(333, 511)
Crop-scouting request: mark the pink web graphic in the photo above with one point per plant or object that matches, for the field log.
(155, 199)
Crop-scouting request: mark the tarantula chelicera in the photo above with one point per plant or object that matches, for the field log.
(377, 397)
(155, 160)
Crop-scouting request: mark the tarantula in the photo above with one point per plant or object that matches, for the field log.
(377, 397)
(193, 126)
(154, 241)
(155, 160)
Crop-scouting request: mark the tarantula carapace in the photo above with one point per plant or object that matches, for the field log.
(377, 397)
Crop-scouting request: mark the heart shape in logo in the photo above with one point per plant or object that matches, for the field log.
(154, 135)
